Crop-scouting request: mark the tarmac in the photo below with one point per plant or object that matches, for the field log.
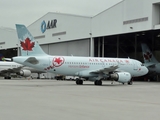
(64, 100)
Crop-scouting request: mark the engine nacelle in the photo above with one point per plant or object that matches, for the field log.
(122, 77)
(25, 73)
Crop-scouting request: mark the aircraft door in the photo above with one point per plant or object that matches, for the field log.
(103, 65)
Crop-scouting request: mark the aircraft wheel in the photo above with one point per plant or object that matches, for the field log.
(98, 82)
(130, 82)
(79, 82)
(95, 82)
(7, 77)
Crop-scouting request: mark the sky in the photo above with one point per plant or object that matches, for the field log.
(28, 11)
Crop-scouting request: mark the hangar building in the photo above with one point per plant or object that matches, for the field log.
(115, 32)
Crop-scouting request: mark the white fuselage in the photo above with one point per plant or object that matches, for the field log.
(70, 65)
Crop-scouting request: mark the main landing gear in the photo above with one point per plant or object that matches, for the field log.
(98, 82)
(79, 82)
(7, 77)
(130, 82)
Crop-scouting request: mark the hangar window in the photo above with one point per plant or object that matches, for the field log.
(1, 43)
(39, 37)
(135, 20)
(58, 34)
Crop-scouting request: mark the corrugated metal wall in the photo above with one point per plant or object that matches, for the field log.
(75, 48)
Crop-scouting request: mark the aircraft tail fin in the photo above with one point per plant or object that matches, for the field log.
(28, 45)
(147, 54)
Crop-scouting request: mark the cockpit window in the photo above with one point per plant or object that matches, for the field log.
(142, 64)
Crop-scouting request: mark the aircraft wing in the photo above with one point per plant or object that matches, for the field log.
(105, 70)
(12, 70)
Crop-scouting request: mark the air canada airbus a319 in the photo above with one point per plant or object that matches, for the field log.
(91, 68)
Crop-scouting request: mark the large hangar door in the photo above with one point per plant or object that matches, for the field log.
(79, 48)
(75, 48)
(45, 48)
(58, 49)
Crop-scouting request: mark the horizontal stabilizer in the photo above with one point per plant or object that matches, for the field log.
(150, 64)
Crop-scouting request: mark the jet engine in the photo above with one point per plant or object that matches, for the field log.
(25, 73)
(122, 77)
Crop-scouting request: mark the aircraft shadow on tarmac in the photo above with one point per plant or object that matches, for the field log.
(61, 85)
(52, 83)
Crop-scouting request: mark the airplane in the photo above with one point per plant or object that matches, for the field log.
(92, 68)
(149, 60)
(6, 68)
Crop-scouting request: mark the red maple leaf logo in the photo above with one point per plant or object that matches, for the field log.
(147, 56)
(58, 61)
(27, 44)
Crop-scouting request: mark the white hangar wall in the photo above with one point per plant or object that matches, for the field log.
(68, 27)
(75, 48)
(107, 22)
(156, 14)
(127, 16)
(70, 36)
(8, 38)
(137, 15)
